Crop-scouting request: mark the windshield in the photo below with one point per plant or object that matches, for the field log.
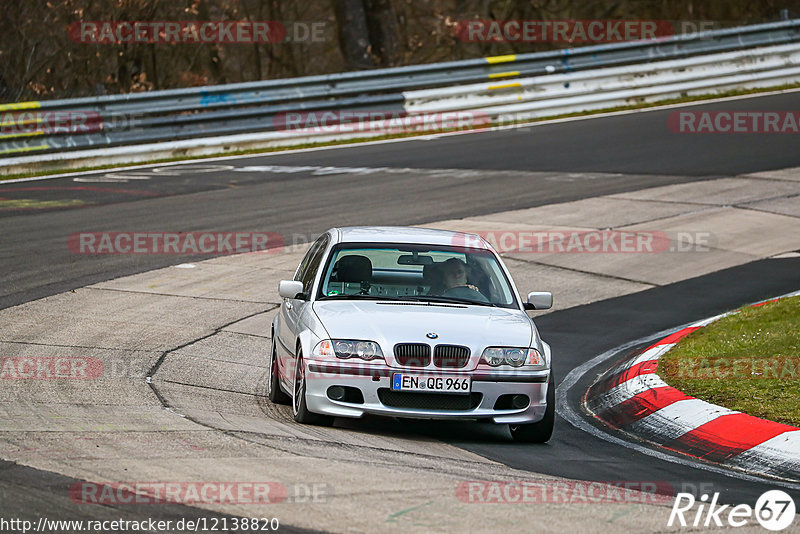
(417, 273)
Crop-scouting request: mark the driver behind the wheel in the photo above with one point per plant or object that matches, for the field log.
(455, 274)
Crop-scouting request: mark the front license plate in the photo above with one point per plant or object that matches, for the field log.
(430, 383)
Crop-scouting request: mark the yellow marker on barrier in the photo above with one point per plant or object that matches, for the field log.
(20, 105)
(24, 149)
(504, 74)
(23, 134)
(501, 59)
(505, 86)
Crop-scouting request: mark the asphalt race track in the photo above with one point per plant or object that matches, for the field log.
(414, 182)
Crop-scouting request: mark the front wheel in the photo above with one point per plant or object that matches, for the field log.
(274, 392)
(299, 409)
(542, 431)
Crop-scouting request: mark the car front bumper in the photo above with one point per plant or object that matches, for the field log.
(373, 381)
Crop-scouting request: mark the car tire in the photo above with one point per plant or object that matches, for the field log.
(299, 408)
(274, 392)
(541, 431)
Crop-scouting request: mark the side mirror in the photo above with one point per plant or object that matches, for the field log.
(539, 300)
(289, 289)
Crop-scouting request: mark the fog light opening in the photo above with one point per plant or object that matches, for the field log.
(519, 401)
(347, 394)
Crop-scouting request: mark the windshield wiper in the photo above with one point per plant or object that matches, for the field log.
(356, 296)
(450, 300)
(418, 298)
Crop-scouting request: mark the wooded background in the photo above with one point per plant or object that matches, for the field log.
(39, 61)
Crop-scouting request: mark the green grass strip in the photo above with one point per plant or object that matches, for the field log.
(748, 361)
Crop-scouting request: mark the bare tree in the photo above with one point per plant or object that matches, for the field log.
(382, 27)
(40, 59)
(351, 18)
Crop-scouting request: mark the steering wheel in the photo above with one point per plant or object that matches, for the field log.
(465, 292)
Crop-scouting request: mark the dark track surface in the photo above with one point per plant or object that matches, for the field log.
(636, 143)
(37, 263)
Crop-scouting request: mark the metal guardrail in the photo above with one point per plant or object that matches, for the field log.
(224, 110)
(616, 86)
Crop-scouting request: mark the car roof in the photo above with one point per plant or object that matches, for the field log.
(408, 235)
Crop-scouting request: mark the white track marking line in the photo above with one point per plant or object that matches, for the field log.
(113, 177)
(177, 170)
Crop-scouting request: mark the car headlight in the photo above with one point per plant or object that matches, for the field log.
(348, 348)
(513, 356)
(494, 356)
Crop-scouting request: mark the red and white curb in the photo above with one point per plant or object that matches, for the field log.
(634, 399)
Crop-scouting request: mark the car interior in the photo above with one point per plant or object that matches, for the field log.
(354, 273)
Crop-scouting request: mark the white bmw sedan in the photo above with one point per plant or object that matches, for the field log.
(412, 323)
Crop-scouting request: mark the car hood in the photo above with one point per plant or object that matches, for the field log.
(390, 323)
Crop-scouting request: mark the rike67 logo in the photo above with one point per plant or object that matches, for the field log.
(774, 510)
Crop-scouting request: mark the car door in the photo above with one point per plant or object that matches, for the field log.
(292, 309)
